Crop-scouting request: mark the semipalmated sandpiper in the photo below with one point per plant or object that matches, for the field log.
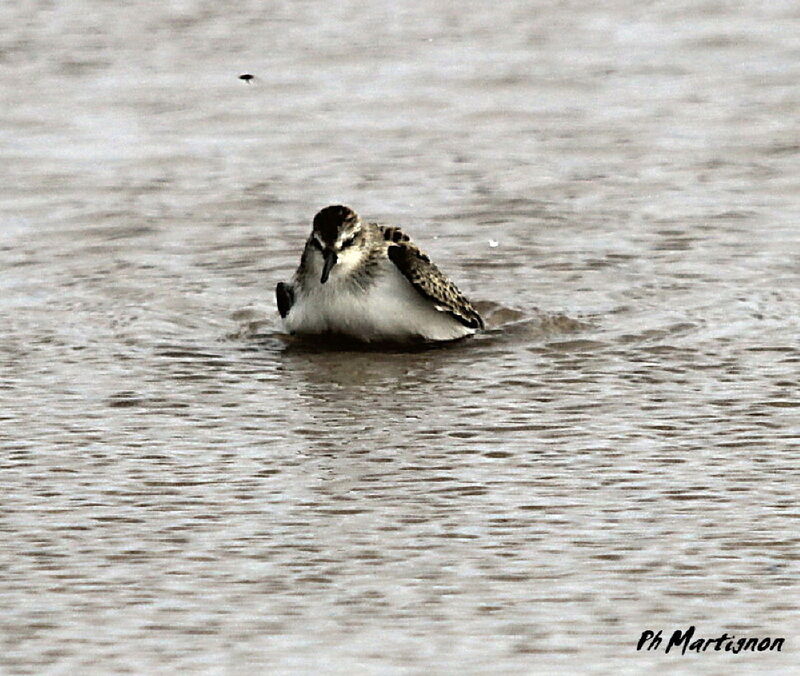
(370, 282)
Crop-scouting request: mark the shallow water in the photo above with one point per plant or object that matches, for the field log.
(615, 183)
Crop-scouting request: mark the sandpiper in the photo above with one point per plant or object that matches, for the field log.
(370, 282)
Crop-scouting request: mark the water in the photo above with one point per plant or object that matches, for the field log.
(185, 491)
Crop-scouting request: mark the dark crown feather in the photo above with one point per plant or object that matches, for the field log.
(330, 220)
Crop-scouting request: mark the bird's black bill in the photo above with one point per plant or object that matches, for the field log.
(330, 260)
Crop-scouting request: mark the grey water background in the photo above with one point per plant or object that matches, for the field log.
(183, 490)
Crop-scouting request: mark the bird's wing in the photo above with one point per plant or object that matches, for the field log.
(284, 294)
(427, 279)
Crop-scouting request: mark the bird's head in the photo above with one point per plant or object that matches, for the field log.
(337, 234)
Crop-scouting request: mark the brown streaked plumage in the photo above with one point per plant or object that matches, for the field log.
(428, 280)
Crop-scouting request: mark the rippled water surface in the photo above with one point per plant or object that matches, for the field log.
(184, 491)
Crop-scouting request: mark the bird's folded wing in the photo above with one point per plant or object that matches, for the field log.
(284, 294)
(428, 280)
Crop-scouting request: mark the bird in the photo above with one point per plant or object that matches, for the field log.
(246, 77)
(369, 282)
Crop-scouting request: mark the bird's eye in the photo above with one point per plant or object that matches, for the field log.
(349, 242)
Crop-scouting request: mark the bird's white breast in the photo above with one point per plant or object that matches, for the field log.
(389, 309)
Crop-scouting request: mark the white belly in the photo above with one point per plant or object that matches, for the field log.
(391, 309)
